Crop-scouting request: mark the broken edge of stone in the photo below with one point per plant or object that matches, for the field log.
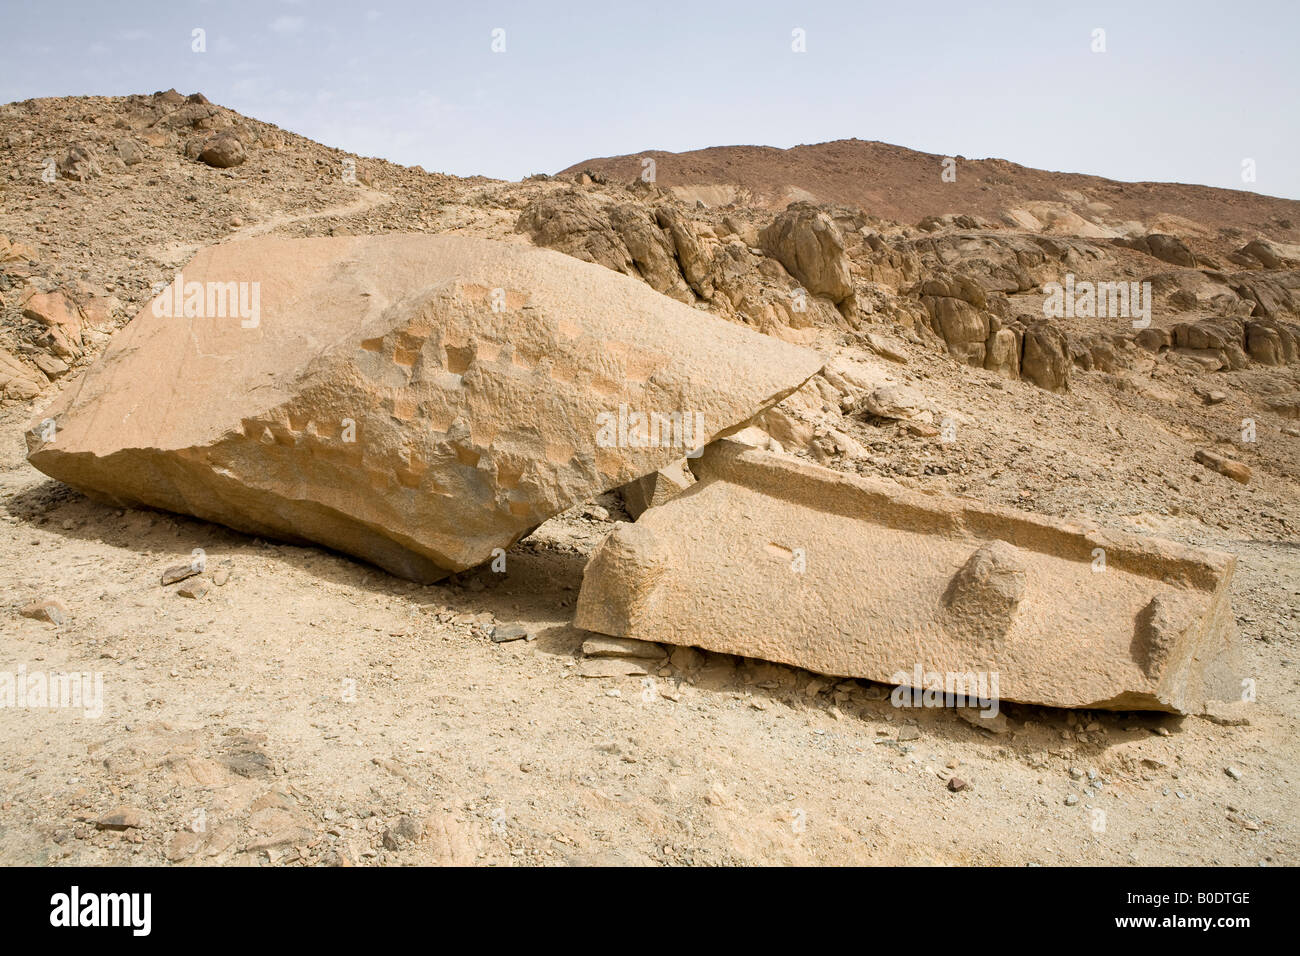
(1184, 648)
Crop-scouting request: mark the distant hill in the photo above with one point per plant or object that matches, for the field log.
(905, 186)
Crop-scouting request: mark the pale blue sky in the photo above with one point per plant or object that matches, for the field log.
(1184, 92)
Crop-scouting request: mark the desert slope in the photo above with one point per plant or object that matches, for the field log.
(309, 709)
(893, 182)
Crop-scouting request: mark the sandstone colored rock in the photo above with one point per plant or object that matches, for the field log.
(655, 488)
(773, 558)
(48, 609)
(55, 311)
(601, 645)
(1169, 249)
(1045, 360)
(961, 325)
(79, 163)
(695, 261)
(417, 401)
(1270, 342)
(807, 242)
(896, 402)
(15, 251)
(1265, 253)
(223, 151)
(17, 381)
(624, 237)
(1224, 465)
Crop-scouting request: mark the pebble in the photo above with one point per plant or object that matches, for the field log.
(503, 633)
(1233, 772)
(123, 818)
(178, 572)
(1071, 799)
(193, 589)
(406, 830)
(48, 610)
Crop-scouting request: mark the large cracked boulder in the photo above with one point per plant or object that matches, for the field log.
(807, 242)
(417, 401)
(17, 380)
(223, 151)
(774, 558)
(1169, 249)
(1270, 342)
(1045, 357)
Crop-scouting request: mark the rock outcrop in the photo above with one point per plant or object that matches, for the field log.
(861, 578)
(223, 151)
(807, 242)
(18, 381)
(1169, 249)
(651, 238)
(415, 400)
(624, 237)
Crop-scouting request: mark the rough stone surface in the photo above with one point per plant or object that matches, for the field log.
(1224, 465)
(892, 401)
(223, 151)
(380, 405)
(861, 578)
(48, 610)
(1046, 360)
(656, 488)
(79, 163)
(17, 380)
(601, 645)
(807, 242)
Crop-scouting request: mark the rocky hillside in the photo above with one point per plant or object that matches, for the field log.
(908, 186)
(983, 296)
(107, 197)
(976, 344)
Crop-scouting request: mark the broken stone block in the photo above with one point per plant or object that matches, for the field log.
(771, 557)
(895, 402)
(656, 488)
(49, 610)
(1224, 465)
(56, 312)
(193, 589)
(417, 401)
(611, 667)
(601, 645)
(178, 572)
(505, 633)
(16, 379)
(123, 818)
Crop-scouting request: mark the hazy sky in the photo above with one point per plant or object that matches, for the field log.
(1185, 90)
